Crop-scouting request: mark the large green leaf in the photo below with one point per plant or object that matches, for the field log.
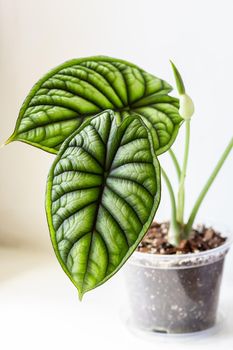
(58, 104)
(102, 193)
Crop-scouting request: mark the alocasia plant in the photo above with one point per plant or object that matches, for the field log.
(108, 120)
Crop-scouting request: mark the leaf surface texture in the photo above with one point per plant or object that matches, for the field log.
(102, 193)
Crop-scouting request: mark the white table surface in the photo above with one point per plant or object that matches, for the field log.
(39, 309)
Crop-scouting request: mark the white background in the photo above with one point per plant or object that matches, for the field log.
(38, 35)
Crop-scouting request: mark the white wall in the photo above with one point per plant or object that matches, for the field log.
(38, 35)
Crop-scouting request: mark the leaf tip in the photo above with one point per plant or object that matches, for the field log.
(80, 295)
(179, 81)
(9, 140)
(6, 142)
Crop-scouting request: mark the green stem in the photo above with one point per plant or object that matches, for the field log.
(205, 189)
(174, 230)
(181, 190)
(175, 162)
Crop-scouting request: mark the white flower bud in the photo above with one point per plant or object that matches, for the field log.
(186, 107)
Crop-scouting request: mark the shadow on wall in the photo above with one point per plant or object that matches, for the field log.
(15, 261)
(17, 254)
(8, 238)
(18, 234)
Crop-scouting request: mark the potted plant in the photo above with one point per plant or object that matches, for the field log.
(174, 277)
(107, 121)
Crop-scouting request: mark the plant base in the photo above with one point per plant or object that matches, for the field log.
(176, 301)
(177, 293)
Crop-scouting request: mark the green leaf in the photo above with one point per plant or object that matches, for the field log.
(102, 193)
(179, 81)
(59, 103)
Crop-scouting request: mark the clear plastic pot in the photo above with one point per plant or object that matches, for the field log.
(175, 293)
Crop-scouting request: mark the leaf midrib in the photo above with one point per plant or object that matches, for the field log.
(98, 204)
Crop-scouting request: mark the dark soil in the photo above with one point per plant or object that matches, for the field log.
(201, 239)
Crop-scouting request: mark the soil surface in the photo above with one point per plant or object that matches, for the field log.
(201, 239)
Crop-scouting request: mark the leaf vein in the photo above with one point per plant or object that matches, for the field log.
(126, 202)
(117, 223)
(133, 181)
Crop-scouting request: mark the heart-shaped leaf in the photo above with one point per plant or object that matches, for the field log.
(59, 103)
(102, 193)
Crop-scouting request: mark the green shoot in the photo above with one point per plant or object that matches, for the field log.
(178, 228)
